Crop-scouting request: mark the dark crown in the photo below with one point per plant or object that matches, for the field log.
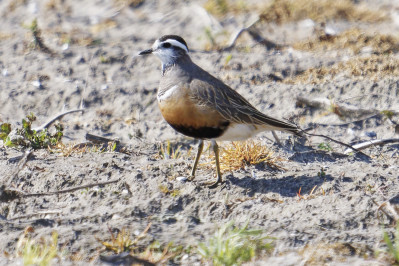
(173, 37)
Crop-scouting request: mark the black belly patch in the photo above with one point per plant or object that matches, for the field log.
(201, 132)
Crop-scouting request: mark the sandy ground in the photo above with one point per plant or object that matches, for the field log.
(339, 224)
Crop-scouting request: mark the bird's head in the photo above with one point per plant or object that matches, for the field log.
(168, 48)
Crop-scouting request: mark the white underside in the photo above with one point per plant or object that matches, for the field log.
(241, 132)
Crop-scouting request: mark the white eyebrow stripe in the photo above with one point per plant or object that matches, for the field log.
(177, 44)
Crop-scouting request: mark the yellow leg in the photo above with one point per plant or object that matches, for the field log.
(215, 148)
(200, 148)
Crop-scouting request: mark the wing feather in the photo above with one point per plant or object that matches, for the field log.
(213, 93)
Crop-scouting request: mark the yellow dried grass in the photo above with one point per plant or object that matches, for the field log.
(239, 154)
(282, 11)
(374, 68)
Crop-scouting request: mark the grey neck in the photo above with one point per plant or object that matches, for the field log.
(166, 67)
(183, 62)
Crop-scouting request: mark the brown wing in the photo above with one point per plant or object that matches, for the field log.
(231, 105)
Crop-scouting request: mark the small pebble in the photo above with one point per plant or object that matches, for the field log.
(329, 31)
(181, 178)
(36, 83)
(370, 134)
(65, 46)
(253, 174)
(349, 131)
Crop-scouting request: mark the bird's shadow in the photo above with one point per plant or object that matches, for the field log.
(307, 154)
(287, 186)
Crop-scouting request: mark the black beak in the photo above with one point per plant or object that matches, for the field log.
(148, 51)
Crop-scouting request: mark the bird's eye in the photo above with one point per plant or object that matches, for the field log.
(166, 45)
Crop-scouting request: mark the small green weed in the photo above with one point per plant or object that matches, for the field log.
(165, 190)
(227, 59)
(38, 252)
(27, 137)
(122, 241)
(210, 38)
(389, 114)
(169, 152)
(105, 60)
(322, 172)
(325, 146)
(5, 129)
(233, 246)
(37, 42)
(393, 245)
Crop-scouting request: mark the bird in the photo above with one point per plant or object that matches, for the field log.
(201, 106)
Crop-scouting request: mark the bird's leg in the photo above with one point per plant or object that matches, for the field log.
(215, 148)
(200, 148)
(276, 138)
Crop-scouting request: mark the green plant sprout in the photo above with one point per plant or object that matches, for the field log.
(233, 246)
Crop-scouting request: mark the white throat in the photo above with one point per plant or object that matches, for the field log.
(167, 56)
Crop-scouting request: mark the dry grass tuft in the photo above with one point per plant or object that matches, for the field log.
(122, 241)
(239, 154)
(312, 194)
(75, 37)
(169, 151)
(159, 255)
(120, 4)
(165, 190)
(38, 251)
(281, 11)
(153, 254)
(373, 68)
(14, 5)
(6, 36)
(323, 253)
(222, 7)
(103, 26)
(353, 39)
(58, 6)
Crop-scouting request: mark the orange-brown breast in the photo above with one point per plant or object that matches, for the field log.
(189, 118)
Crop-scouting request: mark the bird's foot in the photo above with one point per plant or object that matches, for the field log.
(191, 177)
(211, 183)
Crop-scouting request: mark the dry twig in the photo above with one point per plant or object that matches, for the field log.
(338, 142)
(99, 139)
(377, 116)
(33, 214)
(11, 194)
(369, 143)
(254, 34)
(340, 109)
(55, 118)
(387, 209)
(70, 189)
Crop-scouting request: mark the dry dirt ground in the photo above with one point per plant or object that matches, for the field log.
(338, 217)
